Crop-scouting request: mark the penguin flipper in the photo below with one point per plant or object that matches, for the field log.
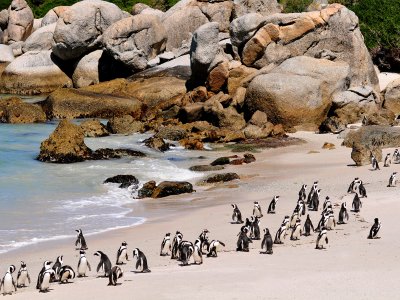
(99, 266)
(89, 267)
(28, 277)
(138, 263)
(326, 240)
(77, 242)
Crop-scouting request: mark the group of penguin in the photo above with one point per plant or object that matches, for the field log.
(387, 162)
(58, 272)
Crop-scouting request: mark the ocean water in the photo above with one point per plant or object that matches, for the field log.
(44, 201)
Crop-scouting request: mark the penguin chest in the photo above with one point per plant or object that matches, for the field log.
(82, 266)
(22, 278)
(122, 256)
(46, 281)
(65, 276)
(167, 246)
(8, 286)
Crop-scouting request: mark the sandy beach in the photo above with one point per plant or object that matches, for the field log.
(352, 267)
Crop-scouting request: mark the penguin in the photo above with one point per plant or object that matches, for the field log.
(255, 228)
(243, 240)
(8, 283)
(46, 267)
(104, 263)
(115, 274)
(327, 203)
(80, 240)
(267, 242)
(175, 244)
(272, 205)
(374, 163)
(214, 247)
(44, 280)
(122, 254)
(302, 192)
(66, 272)
(141, 262)
(301, 207)
(293, 219)
(392, 180)
(374, 229)
(308, 225)
(23, 276)
(83, 264)
(357, 204)
(280, 235)
(352, 186)
(313, 189)
(343, 214)
(297, 231)
(321, 239)
(186, 251)
(396, 156)
(166, 245)
(204, 239)
(388, 161)
(322, 221)
(286, 222)
(314, 204)
(362, 190)
(56, 267)
(257, 210)
(330, 221)
(197, 253)
(237, 215)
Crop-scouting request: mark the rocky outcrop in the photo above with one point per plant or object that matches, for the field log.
(263, 7)
(392, 97)
(157, 144)
(33, 73)
(6, 54)
(147, 190)
(135, 40)
(86, 71)
(80, 28)
(361, 154)
(15, 111)
(299, 92)
(141, 8)
(53, 15)
(41, 39)
(169, 188)
(374, 137)
(222, 177)
(124, 181)
(94, 128)
(171, 133)
(20, 21)
(125, 124)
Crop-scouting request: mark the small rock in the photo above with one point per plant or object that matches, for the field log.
(168, 188)
(171, 133)
(206, 168)
(249, 158)
(220, 161)
(147, 190)
(124, 125)
(223, 177)
(328, 146)
(124, 180)
(157, 143)
(192, 144)
(94, 128)
(259, 119)
(238, 161)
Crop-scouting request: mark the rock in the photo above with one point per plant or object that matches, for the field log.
(259, 119)
(237, 161)
(361, 154)
(13, 110)
(3, 19)
(237, 76)
(255, 132)
(107, 153)
(192, 144)
(87, 70)
(249, 158)
(374, 136)
(125, 181)
(6, 54)
(223, 177)
(153, 62)
(125, 124)
(228, 117)
(220, 161)
(278, 131)
(199, 94)
(169, 188)
(141, 8)
(79, 30)
(205, 168)
(147, 190)
(317, 5)
(166, 56)
(157, 144)
(135, 40)
(299, 92)
(263, 7)
(328, 146)
(33, 73)
(171, 133)
(217, 78)
(65, 145)
(332, 124)
(382, 117)
(53, 15)
(73, 103)
(392, 96)
(17, 48)
(385, 78)
(20, 21)
(41, 39)
(94, 128)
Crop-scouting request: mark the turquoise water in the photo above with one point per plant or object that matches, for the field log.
(43, 201)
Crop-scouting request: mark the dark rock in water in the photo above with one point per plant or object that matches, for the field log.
(361, 154)
(107, 153)
(147, 189)
(94, 128)
(157, 143)
(206, 168)
(220, 161)
(249, 158)
(14, 111)
(168, 188)
(237, 161)
(223, 177)
(170, 133)
(124, 180)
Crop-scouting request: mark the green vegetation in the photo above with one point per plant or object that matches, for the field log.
(292, 6)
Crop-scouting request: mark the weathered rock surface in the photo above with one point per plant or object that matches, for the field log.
(392, 97)
(206, 168)
(53, 15)
(263, 7)
(169, 188)
(374, 136)
(157, 144)
(3, 19)
(171, 133)
(6, 54)
(125, 124)
(79, 30)
(20, 21)
(41, 39)
(220, 161)
(87, 70)
(147, 190)
(361, 154)
(222, 177)
(141, 8)
(125, 181)
(94, 128)
(13, 110)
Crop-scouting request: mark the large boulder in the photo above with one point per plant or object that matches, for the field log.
(135, 40)
(86, 71)
(141, 8)
(94, 128)
(80, 28)
(6, 54)
(15, 111)
(125, 124)
(169, 188)
(299, 92)
(41, 39)
(53, 15)
(392, 96)
(20, 21)
(361, 154)
(34, 72)
(263, 7)
(373, 137)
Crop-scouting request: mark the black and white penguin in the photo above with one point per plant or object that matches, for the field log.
(257, 210)
(357, 204)
(396, 156)
(267, 242)
(286, 222)
(236, 215)
(166, 245)
(374, 229)
(302, 192)
(46, 267)
(66, 273)
(115, 274)
(203, 236)
(313, 189)
(327, 203)
(141, 261)
(57, 267)
(80, 240)
(23, 276)
(8, 283)
(44, 280)
(322, 239)
(272, 205)
(362, 190)
(280, 235)
(83, 264)
(301, 207)
(352, 186)
(374, 162)
(297, 231)
(122, 254)
(314, 204)
(255, 228)
(243, 240)
(388, 161)
(330, 221)
(294, 218)
(308, 226)
(175, 245)
(214, 247)
(343, 214)
(323, 220)
(197, 252)
(104, 263)
(186, 250)
(392, 180)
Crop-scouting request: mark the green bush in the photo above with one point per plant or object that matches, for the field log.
(292, 6)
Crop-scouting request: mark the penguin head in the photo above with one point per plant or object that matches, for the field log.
(233, 205)
(136, 252)
(308, 216)
(266, 231)
(98, 253)
(11, 269)
(344, 204)
(82, 252)
(168, 234)
(47, 264)
(60, 259)
(23, 264)
(276, 197)
(124, 243)
(376, 220)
